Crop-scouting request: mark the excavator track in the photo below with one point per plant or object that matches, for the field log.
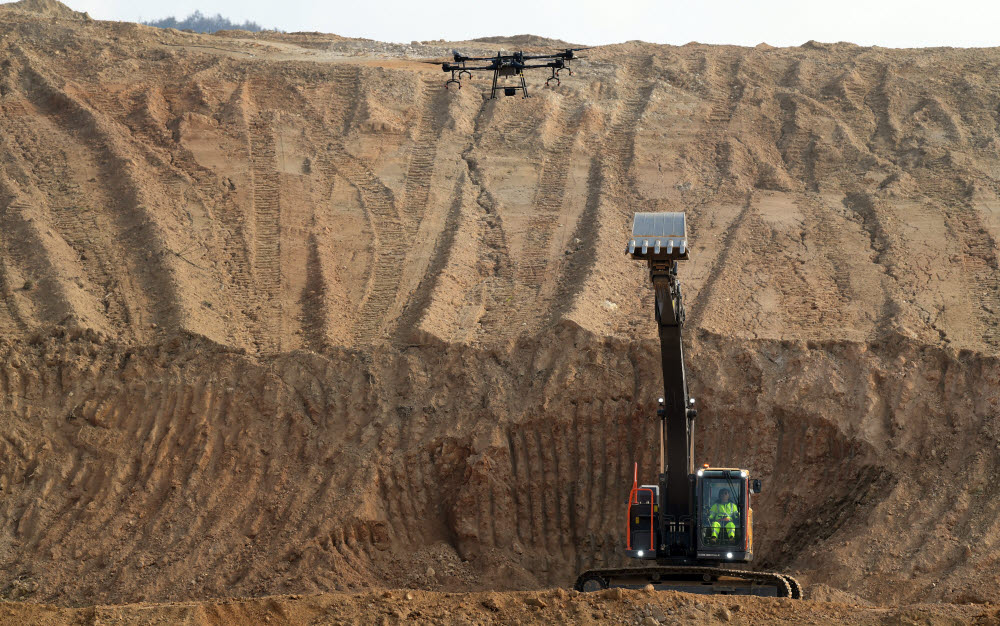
(795, 587)
(708, 580)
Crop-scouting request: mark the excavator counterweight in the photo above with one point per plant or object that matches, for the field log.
(697, 525)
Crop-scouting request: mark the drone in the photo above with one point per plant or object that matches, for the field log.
(510, 65)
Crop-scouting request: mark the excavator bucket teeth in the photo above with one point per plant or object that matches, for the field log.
(658, 237)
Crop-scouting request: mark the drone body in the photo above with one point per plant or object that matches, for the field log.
(509, 65)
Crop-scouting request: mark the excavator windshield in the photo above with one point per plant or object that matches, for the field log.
(723, 502)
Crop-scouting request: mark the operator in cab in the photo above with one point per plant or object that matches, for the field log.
(723, 513)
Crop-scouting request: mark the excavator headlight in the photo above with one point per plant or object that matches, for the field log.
(729, 555)
(701, 472)
(639, 553)
(744, 473)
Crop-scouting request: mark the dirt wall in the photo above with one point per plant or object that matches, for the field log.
(186, 470)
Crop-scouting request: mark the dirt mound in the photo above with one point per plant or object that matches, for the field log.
(52, 8)
(525, 41)
(276, 319)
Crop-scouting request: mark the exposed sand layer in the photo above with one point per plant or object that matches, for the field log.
(280, 314)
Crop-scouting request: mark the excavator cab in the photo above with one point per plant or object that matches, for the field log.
(725, 517)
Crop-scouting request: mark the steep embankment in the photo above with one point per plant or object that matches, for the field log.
(182, 469)
(276, 318)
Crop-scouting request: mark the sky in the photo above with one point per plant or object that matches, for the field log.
(888, 23)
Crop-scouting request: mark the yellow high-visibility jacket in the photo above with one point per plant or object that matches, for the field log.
(720, 510)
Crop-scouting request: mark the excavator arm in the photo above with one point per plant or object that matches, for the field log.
(661, 240)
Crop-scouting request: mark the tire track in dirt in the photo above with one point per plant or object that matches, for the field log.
(423, 154)
(979, 262)
(314, 306)
(56, 145)
(581, 264)
(618, 150)
(11, 322)
(733, 234)
(722, 82)
(267, 231)
(535, 254)
(389, 237)
(810, 299)
(880, 103)
(423, 295)
(495, 264)
(796, 144)
(832, 284)
(379, 204)
(561, 499)
(979, 259)
(515, 479)
(948, 190)
(188, 182)
(147, 278)
(610, 182)
(563, 490)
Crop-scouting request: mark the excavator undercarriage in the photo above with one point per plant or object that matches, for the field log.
(695, 579)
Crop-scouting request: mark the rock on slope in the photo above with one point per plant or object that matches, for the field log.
(277, 321)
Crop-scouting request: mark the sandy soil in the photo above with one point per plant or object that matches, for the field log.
(613, 606)
(279, 314)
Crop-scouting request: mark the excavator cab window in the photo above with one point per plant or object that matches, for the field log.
(723, 508)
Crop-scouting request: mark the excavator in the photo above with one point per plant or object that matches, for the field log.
(695, 525)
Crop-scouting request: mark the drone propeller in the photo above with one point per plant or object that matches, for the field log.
(569, 53)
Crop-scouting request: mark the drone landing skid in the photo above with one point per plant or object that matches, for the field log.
(451, 80)
(508, 90)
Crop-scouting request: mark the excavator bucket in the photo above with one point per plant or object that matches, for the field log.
(658, 237)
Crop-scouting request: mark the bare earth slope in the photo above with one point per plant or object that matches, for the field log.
(279, 315)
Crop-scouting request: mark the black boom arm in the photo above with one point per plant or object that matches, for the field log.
(676, 413)
(661, 240)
